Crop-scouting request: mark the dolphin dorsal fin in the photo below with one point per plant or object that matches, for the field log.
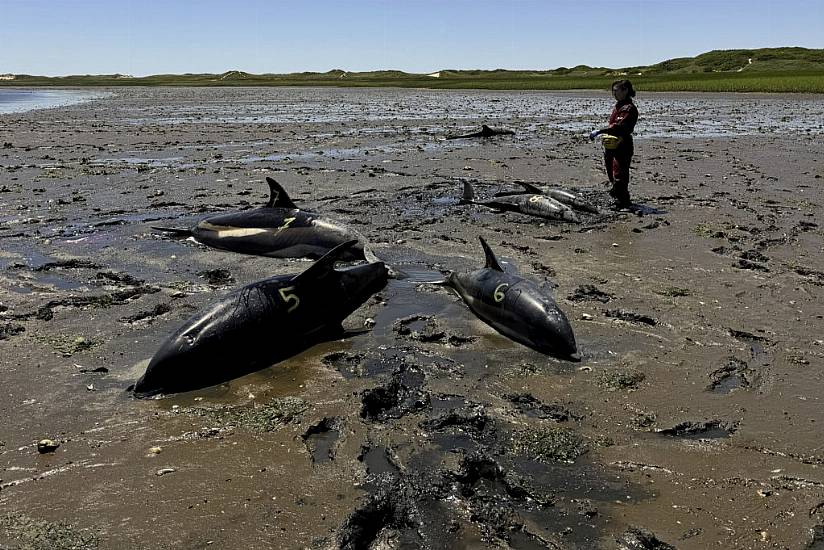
(278, 198)
(325, 263)
(491, 260)
(468, 192)
(531, 188)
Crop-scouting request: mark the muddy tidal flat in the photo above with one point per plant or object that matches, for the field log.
(694, 419)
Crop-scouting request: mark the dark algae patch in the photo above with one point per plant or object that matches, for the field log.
(35, 534)
(268, 417)
(549, 444)
(619, 379)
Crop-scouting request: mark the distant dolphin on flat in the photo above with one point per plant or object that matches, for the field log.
(279, 230)
(570, 199)
(515, 307)
(485, 132)
(538, 204)
(260, 324)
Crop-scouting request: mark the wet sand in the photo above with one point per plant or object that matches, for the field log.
(693, 419)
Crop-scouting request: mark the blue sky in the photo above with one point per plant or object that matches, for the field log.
(141, 37)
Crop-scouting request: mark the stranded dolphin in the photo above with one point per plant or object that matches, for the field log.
(515, 307)
(485, 132)
(279, 229)
(565, 197)
(534, 205)
(260, 324)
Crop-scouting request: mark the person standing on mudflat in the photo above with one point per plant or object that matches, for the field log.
(617, 141)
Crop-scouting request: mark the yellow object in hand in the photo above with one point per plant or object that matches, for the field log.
(610, 142)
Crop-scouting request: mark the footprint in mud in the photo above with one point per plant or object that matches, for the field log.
(746, 336)
(590, 293)
(7, 330)
(813, 276)
(401, 396)
(117, 279)
(217, 277)
(635, 538)
(147, 316)
(712, 429)
(118, 297)
(348, 364)
(530, 406)
(378, 460)
(631, 317)
(74, 263)
(387, 519)
(732, 376)
(321, 439)
(461, 415)
(427, 329)
(746, 264)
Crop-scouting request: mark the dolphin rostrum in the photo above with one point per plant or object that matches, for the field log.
(261, 324)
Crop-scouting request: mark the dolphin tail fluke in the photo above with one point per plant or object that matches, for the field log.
(278, 197)
(491, 260)
(326, 262)
(530, 188)
(178, 231)
(468, 192)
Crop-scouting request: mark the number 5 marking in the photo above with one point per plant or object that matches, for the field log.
(288, 298)
(499, 295)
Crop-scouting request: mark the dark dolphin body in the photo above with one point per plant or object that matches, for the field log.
(534, 205)
(516, 307)
(279, 229)
(565, 197)
(485, 132)
(260, 324)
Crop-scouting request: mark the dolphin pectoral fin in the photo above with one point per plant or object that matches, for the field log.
(179, 231)
(325, 263)
(278, 197)
(491, 260)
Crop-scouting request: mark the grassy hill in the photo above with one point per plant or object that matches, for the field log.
(754, 70)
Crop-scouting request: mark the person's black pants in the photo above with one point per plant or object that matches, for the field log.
(617, 163)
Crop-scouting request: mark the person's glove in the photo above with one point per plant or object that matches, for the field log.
(593, 134)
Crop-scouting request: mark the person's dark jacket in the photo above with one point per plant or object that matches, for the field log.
(622, 123)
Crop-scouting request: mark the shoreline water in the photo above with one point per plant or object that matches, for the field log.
(21, 100)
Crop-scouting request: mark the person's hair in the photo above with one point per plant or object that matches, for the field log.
(626, 84)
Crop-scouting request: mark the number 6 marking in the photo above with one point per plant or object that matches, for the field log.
(534, 198)
(499, 295)
(287, 298)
